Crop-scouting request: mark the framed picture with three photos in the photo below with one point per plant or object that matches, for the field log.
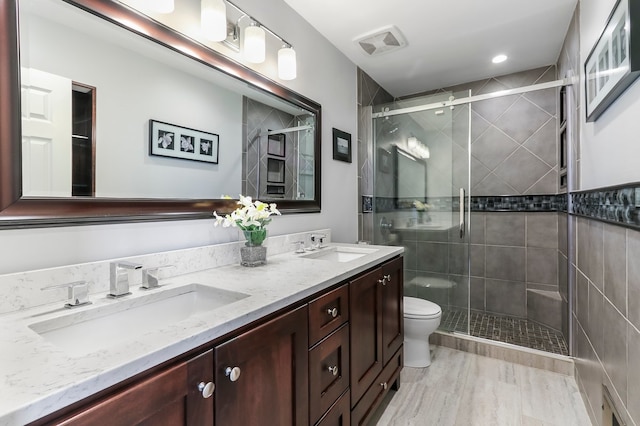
(614, 61)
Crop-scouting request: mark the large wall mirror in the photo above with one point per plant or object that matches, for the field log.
(109, 115)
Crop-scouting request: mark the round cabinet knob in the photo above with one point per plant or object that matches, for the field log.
(333, 312)
(206, 389)
(232, 373)
(383, 281)
(387, 278)
(384, 385)
(333, 370)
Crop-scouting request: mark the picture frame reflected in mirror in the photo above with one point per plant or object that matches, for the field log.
(171, 140)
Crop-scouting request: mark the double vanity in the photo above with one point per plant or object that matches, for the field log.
(306, 339)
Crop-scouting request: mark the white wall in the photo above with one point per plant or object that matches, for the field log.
(124, 167)
(324, 75)
(609, 146)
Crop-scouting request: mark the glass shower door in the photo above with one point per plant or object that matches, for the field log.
(421, 165)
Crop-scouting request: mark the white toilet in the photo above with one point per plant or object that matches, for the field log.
(421, 318)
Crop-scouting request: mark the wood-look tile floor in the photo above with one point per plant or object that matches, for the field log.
(464, 389)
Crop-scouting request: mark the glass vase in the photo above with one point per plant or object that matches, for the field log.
(254, 253)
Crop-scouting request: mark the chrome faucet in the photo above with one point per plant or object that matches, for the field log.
(151, 277)
(78, 293)
(317, 240)
(121, 274)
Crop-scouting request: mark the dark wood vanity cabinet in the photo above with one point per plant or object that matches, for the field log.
(270, 385)
(329, 360)
(376, 318)
(329, 351)
(173, 397)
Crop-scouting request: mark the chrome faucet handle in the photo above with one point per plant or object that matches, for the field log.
(299, 247)
(150, 276)
(120, 278)
(78, 293)
(317, 240)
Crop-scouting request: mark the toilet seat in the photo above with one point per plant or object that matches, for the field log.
(415, 308)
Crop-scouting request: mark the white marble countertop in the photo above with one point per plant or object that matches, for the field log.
(38, 378)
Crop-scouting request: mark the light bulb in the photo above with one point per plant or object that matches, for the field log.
(213, 19)
(254, 44)
(287, 67)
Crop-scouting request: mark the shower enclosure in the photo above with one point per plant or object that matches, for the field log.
(468, 185)
(421, 187)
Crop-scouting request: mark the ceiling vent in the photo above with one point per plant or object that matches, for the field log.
(381, 41)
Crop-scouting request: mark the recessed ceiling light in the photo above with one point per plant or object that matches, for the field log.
(498, 59)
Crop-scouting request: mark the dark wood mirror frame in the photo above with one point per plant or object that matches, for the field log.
(18, 212)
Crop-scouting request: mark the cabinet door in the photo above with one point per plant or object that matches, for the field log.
(392, 313)
(365, 310)
(272, 387)
(169, 398)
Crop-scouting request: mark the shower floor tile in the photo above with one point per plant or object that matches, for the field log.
(505, 329)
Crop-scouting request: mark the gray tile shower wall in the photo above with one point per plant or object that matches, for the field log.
(606, 315)
(514, 265)
(369, 93)
(260, 119)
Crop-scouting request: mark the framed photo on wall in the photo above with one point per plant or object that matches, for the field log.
(614, 62)
(341, 146)
(170, 140)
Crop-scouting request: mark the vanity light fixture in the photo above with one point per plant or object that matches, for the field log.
(499, 59)
(253, 41)
(254, 44)
(216, 27)
(287, 68)
(418, 148)
(213, 19)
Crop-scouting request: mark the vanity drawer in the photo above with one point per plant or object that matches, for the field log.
(328, 372)
(327, 313)
(372, 398)
(339, 414)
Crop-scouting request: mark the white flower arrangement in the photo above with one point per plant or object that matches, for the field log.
(252, 218)
(420, 206)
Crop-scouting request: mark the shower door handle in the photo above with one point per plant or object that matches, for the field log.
(462, 224)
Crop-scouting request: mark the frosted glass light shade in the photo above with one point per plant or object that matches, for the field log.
(254, 45)
(159, 6)
(287, 67)
(213, 19)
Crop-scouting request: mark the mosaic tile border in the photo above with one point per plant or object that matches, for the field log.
(619, 205)
(507, 203)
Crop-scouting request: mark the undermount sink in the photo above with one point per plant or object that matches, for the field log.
(87, 331)
(339, 254)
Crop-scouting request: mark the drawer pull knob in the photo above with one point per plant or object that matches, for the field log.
(232, 373)
(206, 389)
(384, 385)
(333, 312)
(385, 279)
(333, 370)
